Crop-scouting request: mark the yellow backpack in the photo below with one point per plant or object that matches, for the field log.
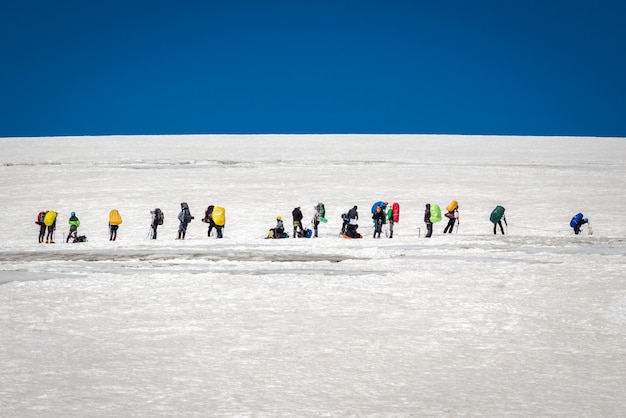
(219, 216)
(115, 218)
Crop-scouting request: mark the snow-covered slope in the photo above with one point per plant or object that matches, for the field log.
(531, 323)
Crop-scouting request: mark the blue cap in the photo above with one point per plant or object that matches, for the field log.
(586, 219)
(73, 213)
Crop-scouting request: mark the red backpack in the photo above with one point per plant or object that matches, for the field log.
(40, 218)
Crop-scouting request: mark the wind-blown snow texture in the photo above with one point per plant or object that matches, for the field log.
(532, 323)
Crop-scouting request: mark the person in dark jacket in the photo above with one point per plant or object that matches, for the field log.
(156, 219)
(352, 223)
(297, 222)
(344, 222)
(353, 214)
(42, 226)
(379, 219)
(579, 224)
(429, 224)
(453, 217)
(208, 219)
(184, 217)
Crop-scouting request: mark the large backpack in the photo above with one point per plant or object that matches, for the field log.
(50, 218)
(395, 209)
(321, 210)
(496, 215)
(187, 215)
(452, 206)
(115, 218)
(158, 215)
(219, 216)
(575, 220)
(435, 213)
(379, 203)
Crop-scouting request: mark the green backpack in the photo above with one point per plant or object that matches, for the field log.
(435, 213)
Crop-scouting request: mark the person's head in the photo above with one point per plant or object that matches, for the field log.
(279, 218)
(427, 205)
(355, 208)
(73, 214)
(586, 219)
(386, 203)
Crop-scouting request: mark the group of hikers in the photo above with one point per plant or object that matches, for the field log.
(215, 216)
(47, 221)
(299, 231)
(384, 216)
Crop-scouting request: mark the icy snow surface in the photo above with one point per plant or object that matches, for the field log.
(532, 323)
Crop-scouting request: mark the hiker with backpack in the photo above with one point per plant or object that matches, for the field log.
(208, 219)
(453, 217)
(184, 217)
(157, 219)
(379, 218)
(42, 226)
(496, 218)
(218, 217)
(316, 218)
(50, 220)
(297, 222)
(74, 224)
(115, 220)
(577, 222)
(428, 222)
(319, 215)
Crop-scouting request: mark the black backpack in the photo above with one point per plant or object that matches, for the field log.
(158, 214)
(186, 214)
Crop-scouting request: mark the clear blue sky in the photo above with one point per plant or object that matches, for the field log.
(532, 67)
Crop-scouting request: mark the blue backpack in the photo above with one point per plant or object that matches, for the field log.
(577, 218)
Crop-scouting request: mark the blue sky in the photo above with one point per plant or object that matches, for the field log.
(176, 67)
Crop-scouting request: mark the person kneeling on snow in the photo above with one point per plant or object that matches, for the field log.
(579, 223)
(279, 230)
